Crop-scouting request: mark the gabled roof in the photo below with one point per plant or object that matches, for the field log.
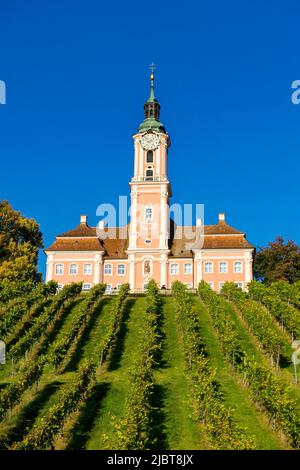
(221, 229)
(76, 244)
(218, 236)
(82, 230)
(181, 243)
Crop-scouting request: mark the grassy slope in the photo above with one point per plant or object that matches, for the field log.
(115, 381)
(180, 429)
(251, 345)
(234, 394)
(175, 426)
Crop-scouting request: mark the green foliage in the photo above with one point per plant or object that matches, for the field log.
(20, 240)
(265, 388)
(70, 397)
(108, 342)
(16, 309)
(260, 321)
(41, 323)
(289, 293)
(278, 261)
(209, 407)
(11, 395)
(271, 297)
(133, 430)
(69, 338)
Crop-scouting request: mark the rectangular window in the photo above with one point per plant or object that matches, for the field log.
(238, 267)
(221, 284)
(148, 214)
(108, 288)
(121, 269)
(223, 267)
(86, 286)
(59, 269)
(73, 269)
(59, 287)
(174, 269)
(189, 286)
(208, 267)
(107, 269)
(87, 269)
(188, 268)
(239, 284)
(211, 285)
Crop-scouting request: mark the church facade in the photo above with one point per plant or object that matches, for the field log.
(152, 245)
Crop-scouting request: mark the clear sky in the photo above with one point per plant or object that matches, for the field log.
(77, 78)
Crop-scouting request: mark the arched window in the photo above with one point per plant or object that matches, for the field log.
(59, 269)
(149, 158)
(73, 269)
(107, 269)
(238, 267)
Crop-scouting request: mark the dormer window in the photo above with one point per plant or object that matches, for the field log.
(149, 158)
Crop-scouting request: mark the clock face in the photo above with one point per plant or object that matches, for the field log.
(150, 141)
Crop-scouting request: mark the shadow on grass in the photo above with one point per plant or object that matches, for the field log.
(57, 326)
(160, 362)
(78, 353)
(88, 414)
(28, 415)
(157, 431)
(116, 354)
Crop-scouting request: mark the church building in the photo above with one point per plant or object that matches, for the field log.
(152, 245)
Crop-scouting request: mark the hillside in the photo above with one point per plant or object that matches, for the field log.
(91, 371)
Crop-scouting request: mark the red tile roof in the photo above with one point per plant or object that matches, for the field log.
(86, 238)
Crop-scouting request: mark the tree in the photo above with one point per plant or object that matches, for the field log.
(20, 240)
(278, 261)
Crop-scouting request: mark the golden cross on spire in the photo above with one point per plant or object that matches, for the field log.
(152, 67)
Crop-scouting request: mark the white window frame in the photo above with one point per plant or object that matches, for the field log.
(189, 285)
(190, 268)
(221, 284)
(177, 269)
(146, 218)
(91, 269)
(108, 288)
(226, 264)
(63, 268)
(86, 286)
(211, 285)
(208, 263)
(108, 265)
(234, 266)
(239, 282)
(118, 267)
(73, 274)
(59, 287)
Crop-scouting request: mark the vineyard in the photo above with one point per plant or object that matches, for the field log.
(87, 370)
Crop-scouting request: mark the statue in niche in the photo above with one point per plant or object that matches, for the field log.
(147, 268)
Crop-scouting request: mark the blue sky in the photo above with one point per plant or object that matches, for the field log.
(77, 78)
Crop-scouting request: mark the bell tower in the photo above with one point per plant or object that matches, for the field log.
(150, 187)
